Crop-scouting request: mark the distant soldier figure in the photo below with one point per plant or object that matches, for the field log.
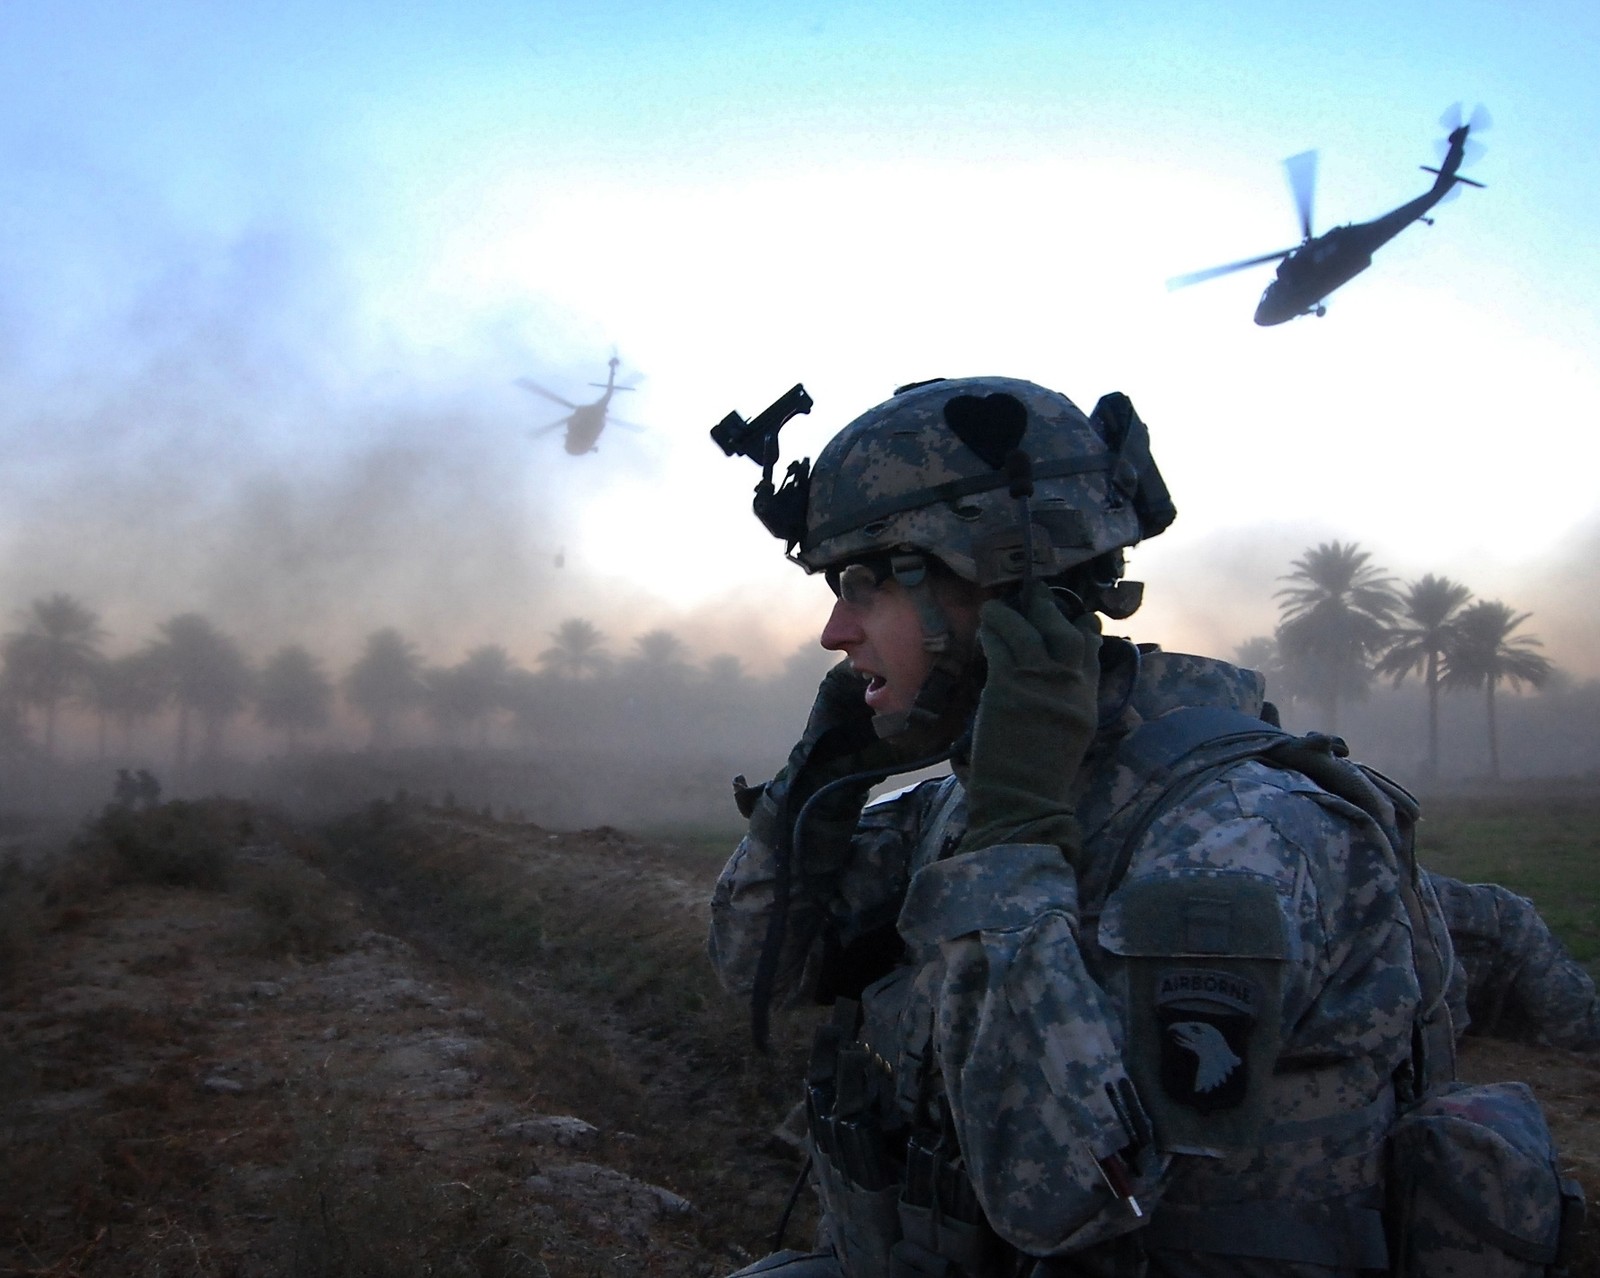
(127, 789)
(1521, 982)
(148, 789)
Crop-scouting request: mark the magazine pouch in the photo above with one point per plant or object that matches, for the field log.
(1476, 1187)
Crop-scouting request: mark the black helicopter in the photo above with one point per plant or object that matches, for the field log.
(585, 422)
(1320, 264)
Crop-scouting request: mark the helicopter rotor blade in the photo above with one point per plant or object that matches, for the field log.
(1211, 273)
(1302, 170)
(1480, 121)
(617, 421)
(540, 390)
(1472, 150)
(542, 431)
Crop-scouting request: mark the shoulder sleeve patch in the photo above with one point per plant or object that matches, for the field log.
(1197, 960)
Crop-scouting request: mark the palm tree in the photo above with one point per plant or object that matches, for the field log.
(1419, 641)
(660, 663)
(385, 683)
(579, 649)
(1483, 651)
(1336, 617)
(469, 694)
(293, 694)
(52, 657)
(206, 675)
(128, 690)
(725, 671)
(660, 650)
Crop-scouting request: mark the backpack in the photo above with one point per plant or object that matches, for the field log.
(1474, 1185)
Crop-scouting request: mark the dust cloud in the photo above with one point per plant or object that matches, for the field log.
(227, 433)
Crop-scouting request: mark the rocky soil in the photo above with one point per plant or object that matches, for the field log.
(193, 1083)
(304, 1068)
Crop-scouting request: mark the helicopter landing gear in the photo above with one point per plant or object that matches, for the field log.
(1319, 310)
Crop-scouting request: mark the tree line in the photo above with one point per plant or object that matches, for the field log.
(1345, 622)
(201, 676)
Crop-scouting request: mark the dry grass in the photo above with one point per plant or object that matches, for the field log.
(602, 938)
(182, 1100)
(575, 963)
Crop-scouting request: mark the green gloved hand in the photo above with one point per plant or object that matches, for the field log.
(1036, 718)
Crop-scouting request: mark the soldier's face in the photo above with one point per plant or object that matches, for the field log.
(876, 625)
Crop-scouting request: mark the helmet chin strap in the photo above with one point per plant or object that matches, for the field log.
(952, 659)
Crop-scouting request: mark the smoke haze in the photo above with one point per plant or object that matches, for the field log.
(230, 442)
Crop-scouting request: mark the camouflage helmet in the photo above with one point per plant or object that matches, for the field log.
(931, 470)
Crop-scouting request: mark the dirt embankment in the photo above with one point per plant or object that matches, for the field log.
(422, 1043)
(258, 1073)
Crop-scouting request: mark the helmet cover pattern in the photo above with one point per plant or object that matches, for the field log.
(927, 471)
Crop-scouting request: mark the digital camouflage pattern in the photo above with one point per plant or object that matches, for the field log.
(1521, 982)
(1019, 972)
(1479, 1193)
(912, 473)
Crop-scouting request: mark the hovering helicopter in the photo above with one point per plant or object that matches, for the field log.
(1320, 264)
(585, 422)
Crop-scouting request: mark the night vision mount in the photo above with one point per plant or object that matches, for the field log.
(781, 510)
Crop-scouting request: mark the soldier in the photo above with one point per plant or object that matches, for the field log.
(1521, 983)
(1061, 1042)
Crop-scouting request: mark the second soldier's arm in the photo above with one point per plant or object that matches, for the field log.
(1521, 981)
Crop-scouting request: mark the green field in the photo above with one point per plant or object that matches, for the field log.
(1541, 842)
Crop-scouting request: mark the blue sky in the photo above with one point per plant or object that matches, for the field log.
(268, 274)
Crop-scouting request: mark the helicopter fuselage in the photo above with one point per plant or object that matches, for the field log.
(1321, 264)
(584, 426)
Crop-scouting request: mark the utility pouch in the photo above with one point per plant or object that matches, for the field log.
(1476, 1189)
(943, 1227)
(861, 1225)
(854, 1175)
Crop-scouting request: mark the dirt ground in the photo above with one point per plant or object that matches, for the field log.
(189, 1086)
(179, 1095)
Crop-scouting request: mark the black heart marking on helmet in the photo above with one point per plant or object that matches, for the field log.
(991, 426)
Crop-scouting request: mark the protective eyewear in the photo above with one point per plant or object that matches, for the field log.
(856, 583)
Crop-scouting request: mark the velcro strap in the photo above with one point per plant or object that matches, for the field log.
(1339, 1237)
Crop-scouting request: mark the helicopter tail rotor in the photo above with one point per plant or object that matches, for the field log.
(1478, 122)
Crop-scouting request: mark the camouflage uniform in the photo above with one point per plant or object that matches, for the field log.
(1248, 989)
(1521, 982)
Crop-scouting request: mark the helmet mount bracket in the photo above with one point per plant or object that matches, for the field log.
(781, 510)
